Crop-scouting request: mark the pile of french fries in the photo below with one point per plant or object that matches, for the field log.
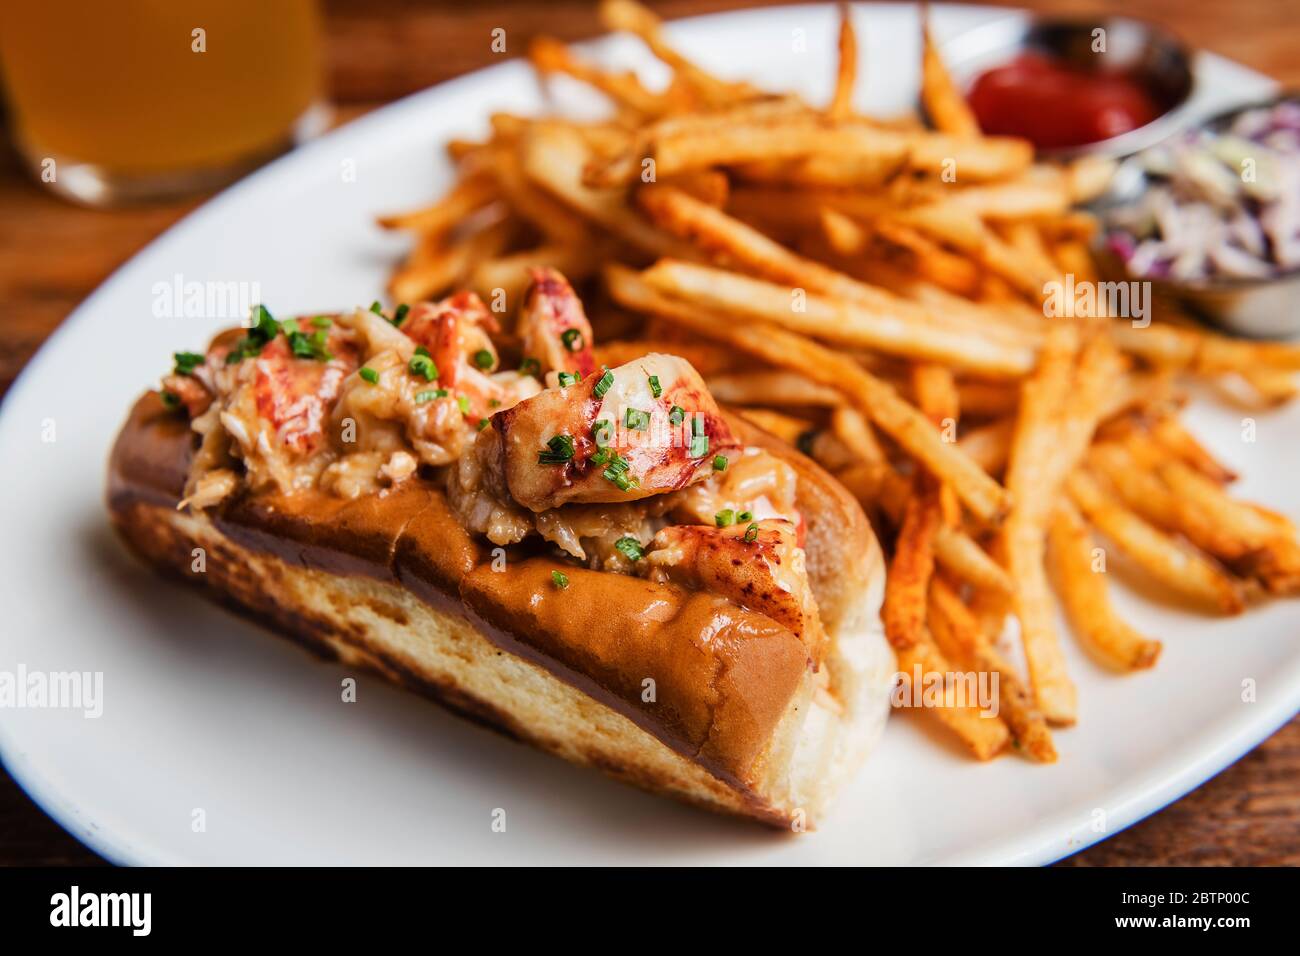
(872, 290)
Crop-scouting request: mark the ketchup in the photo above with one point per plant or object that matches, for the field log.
(1053, 104)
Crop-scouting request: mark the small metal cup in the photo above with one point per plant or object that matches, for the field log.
(1154, 57)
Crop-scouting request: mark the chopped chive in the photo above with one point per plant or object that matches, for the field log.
(603, 384)
(630, 548)
(559, 450)
(699, 446)
(463, 402)
(428, 396)
(697, 425)
(616, 471)
(569, 378)
(602, 432)
(751, 533)
(484, 359)
(400, 315)
(265, 328)
(187, 362)
(322, 322)
(600, 457)
(724, 518)
(304, 345)
(745, 516)
(421, 364)
(560, 579)
(421, 350)
(676, 415)
(530, 366)
(170, 399)
(655, 388)
(636, 419)
(370, 375)
(494, 403)
(572, 340)
(719, 462)
(376, 308)
(483, 423)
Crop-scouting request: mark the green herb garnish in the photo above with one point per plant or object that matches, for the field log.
(699, 446)
(187, 362)
(369, 374)
(636, 419)
(484, 359)
(719, 462)
(572, 340)
(676, 415)
(422, 364)
(603, 384)
(655, 388)
(558, 451)
(751, 533)
(569, 378)
(400, 315)
(560, 579)
(630, 548)
(724, 518)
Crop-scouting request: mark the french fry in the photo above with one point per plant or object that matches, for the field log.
(904, 615)
(946, 269)
(731, 241)
(778, 388)
(634, 18)
(1083, 591)
(436, 266)
(1265, 543)
(550, 217)
(894, 329)
(553, 159)
(708, 357)
(552, 56)
(942, 101)
(878, 401)
(1178, 441)
(846, 71)
(960, 637)
(956, 552)
(989, 445)
(852, 428)
(467, 196)
(1174, 564)
(788, 428)
(1031, 480)
(1202, 352)
(512, 273)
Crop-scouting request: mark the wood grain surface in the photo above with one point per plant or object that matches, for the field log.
(52, 255)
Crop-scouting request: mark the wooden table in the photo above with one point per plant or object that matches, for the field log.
(52, 255)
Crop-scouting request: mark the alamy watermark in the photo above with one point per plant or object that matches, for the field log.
(181, 298)
(927, 689)
(21, 689)
(1118, 300)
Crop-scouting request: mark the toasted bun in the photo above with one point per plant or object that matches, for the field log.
(675, 691)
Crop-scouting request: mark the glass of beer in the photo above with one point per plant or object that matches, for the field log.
(131, 100)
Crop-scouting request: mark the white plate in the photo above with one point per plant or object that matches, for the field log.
(204, 712)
